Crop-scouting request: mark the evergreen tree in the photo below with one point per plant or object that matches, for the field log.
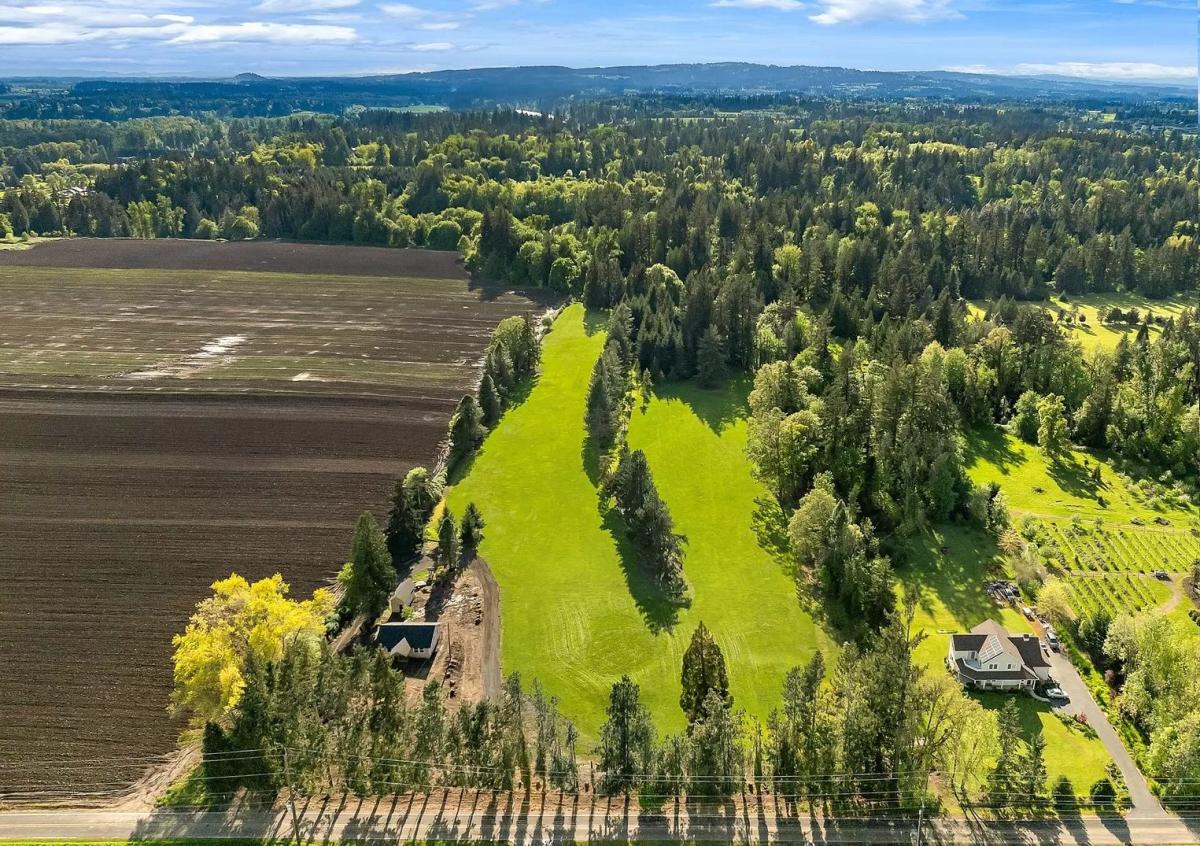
(372, 577)
(1004, 780)
(1033, 775)
(626, 739)
(710, 359)
(471, 531)
(703, 672)
(466, 428)
(648, 520)
(447, 544)
(489, 401)
(412, 505)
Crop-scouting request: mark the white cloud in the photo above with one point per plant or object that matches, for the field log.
(781, 5)
(1111, 71)
(71, 24)
(264, 31)
(296, 6)
(433, 47)
(867, 11)
(418, 17)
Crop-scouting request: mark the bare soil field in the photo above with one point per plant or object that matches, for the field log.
(144, 454)
(273, 256)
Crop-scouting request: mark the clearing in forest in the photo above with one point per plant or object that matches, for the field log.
(577, 610)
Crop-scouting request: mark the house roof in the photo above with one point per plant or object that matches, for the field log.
(418, 635)
(977, 674)
(990, 639)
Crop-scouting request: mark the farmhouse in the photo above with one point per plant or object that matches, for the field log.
(989, 658)
(409, 640)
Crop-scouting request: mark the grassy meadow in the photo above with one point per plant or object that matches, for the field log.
(577, 610)
(1086, 325)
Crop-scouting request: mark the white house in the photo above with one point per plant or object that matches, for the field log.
(409, 640)
(989, 658)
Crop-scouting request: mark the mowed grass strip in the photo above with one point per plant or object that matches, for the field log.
(577, 611)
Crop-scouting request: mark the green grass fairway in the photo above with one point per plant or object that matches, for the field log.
(577, 613)
(946, 571)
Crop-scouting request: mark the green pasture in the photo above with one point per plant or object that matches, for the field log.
(577, 610)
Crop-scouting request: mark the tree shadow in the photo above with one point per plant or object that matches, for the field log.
(594, 321)
(591, 456)
(992, 445)
(659, 611)
(1069, 474)
(770, 526)
(718, 407)
(951, 566)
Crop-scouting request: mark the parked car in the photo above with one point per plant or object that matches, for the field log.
(1052, 639)
(1162, 575)
(1057, 693)
(1027, 611)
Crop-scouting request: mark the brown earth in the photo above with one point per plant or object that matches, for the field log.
(274, 256)
(122, 500)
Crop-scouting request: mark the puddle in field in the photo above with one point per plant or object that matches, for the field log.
(216, 351)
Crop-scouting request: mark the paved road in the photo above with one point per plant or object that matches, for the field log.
(530, 821)
(1145, 803)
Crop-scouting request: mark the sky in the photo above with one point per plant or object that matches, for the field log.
(1137, 40)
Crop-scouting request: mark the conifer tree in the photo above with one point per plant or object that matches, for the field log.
(489, 401)
(372, 577)
(703, 673)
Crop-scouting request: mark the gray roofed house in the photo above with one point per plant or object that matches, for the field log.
(989, 658)
(409, 639)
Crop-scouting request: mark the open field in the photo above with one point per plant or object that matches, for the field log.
(1094, 333)
(124, 496)
(578, 612)
(1084, 311)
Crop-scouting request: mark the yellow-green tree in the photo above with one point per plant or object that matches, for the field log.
(238, 620)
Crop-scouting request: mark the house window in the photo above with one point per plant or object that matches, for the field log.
(991, 666)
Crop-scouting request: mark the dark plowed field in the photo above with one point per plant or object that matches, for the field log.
(137, 466)
(273, 256)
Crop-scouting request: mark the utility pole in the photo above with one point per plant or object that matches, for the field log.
(287, 779)
(920, 820)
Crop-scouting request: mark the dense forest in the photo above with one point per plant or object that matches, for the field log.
(880, 270)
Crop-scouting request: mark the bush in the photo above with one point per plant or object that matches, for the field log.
(1062, 794)
(1103, 794)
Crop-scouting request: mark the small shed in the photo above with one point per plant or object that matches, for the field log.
(409, 639)
(402, 596)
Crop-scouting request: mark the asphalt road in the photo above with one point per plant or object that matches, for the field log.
(528, 820)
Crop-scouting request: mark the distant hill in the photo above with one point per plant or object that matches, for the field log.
(252, 94)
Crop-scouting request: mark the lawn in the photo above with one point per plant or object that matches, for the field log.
(1060, 488)
(1069, 751)
(945, 571)
(577, 611)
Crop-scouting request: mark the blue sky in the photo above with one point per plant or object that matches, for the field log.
(1110, 39)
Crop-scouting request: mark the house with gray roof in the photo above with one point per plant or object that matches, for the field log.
(989, 658)
(409, 639)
